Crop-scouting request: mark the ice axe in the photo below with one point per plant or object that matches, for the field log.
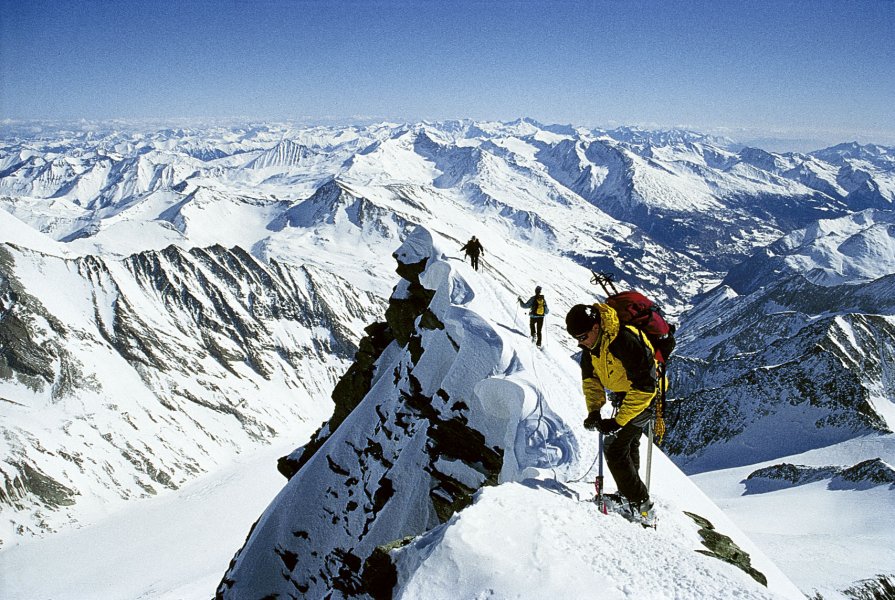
(598, 482)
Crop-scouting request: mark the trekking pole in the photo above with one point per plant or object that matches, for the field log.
(598, 482)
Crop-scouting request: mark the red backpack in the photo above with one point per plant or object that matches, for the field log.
(635, 309)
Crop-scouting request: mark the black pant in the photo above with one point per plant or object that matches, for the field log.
(536, 324)
(474, 260)
(623, 458)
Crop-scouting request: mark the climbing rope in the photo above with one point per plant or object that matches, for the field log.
(659, 430)
(586, 473)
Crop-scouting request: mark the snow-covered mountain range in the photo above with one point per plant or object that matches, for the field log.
(171, 297)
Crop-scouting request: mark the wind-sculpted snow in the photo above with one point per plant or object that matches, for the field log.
(134, 376)
(413, 451)
(542, 441)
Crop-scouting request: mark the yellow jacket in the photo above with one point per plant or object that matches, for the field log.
(622, 361)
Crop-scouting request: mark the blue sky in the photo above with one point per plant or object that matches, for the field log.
(801, 68)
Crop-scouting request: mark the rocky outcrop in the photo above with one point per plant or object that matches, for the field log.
(723, 548)
(881, 587)
(864, 475)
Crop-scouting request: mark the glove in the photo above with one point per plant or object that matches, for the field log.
(607, 426)
(593, 420)
(616, 398)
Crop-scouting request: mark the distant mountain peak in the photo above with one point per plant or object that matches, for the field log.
(287, 153)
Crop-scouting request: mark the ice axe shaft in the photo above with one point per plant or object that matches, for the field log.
(598, 483)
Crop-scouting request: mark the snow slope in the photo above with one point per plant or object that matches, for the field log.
(172, 547)
(836, 525)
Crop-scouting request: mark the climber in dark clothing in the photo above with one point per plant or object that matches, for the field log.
(473, 248)
(537, 310)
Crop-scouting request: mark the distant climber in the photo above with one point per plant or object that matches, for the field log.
(617, 359)
(473, 248)
(537, 310)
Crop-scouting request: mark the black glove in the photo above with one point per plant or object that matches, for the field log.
(607, 426)
(616, 398)
(592, 422)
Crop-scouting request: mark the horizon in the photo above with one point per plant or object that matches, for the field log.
(780, 145)
(808, 73)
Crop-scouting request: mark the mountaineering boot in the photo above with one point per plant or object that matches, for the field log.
(637, 512)
(644, 511)
(613, 502)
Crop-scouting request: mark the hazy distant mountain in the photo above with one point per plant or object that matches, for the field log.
(681, 188)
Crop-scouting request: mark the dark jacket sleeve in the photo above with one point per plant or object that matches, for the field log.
(587, 367)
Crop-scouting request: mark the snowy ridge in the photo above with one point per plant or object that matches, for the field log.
(459, 401)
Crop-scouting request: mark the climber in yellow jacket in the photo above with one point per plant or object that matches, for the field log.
(618, 360)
